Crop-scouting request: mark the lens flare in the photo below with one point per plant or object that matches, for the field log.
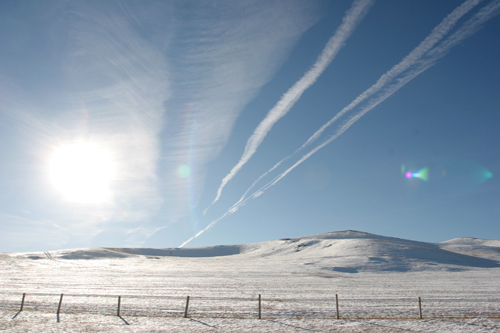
(421, 174)
(184, 171)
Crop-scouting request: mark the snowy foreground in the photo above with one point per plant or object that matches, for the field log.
(377, 279)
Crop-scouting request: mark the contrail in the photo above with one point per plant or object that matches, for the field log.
(430, 41)
(352, 18)
(257, 180)
(466, 30)
(432, 55)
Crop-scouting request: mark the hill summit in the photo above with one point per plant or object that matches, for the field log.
(341, 251)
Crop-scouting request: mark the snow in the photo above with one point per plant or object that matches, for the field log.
(45, 323)
(377, 279)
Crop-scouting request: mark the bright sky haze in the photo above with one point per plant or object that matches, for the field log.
(189, 123)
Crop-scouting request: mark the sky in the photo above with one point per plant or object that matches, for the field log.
(188, 123)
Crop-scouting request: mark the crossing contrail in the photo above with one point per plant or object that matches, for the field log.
(350, 21)
(419, 60)
(433, 54)
(411, 59)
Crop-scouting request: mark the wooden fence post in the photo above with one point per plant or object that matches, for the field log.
(22, 302)
(59, 307)
(419, 308)
(60, 302)
(187, 306)
(337, 305)
(119, 305)
(260, 307)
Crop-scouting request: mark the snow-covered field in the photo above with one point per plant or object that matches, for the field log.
(377, 279)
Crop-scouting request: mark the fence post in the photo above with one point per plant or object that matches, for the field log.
(22, 302)
(260, 307)
(187, 306)
(337, 305)
(419, 308)
(60, 302)
(119, 304)
(59, 307)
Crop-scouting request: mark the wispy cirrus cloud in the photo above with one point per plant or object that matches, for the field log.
(225, 53)
(160, 84)
(426, 59)
(412, 59)
(420, 59)
(114, 57)
(92, 77)
(22, 233)
(349, 23)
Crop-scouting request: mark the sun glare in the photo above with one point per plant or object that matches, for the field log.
(82, 172)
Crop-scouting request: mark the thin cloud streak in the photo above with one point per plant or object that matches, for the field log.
(227, 53)
(123, 75)
(16, 229)
(122, 79)
(107, 86)
(350, 21)
(432, 55)
(411, 59)
(468, 28)
(430, 41)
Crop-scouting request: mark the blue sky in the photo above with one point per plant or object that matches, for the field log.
(169, 123)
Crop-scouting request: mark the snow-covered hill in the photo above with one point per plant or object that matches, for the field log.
(342, 251)
(375, 277)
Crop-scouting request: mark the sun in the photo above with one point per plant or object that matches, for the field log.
(82, 171)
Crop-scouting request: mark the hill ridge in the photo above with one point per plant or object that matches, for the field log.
(343, 251)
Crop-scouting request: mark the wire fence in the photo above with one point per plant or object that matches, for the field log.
(255, 307)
